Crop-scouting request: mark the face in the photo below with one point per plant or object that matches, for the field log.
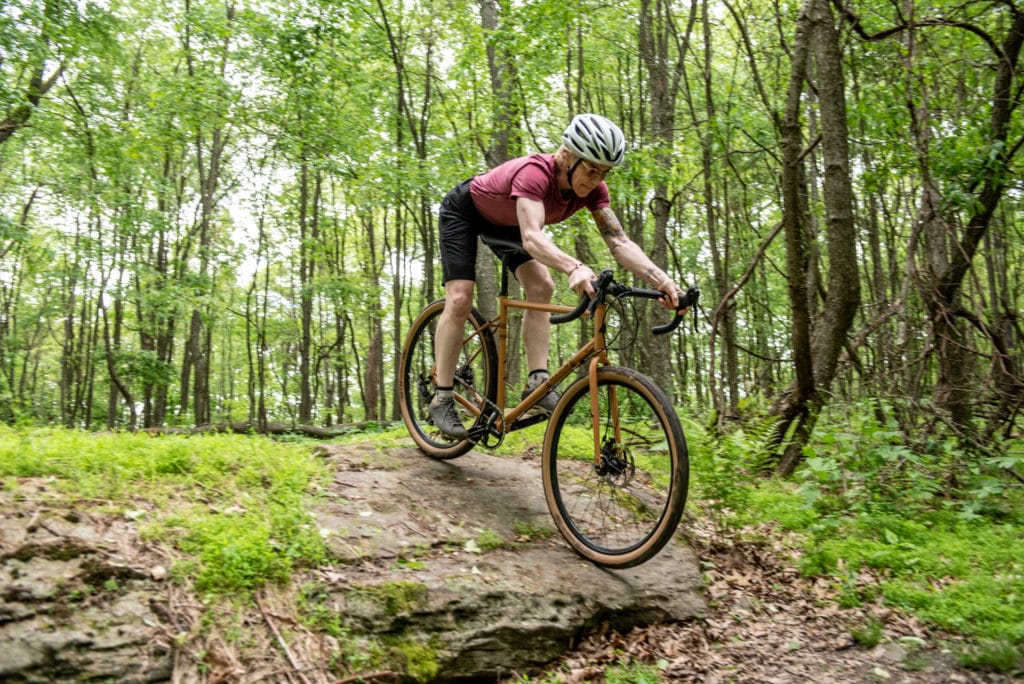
(588, 176)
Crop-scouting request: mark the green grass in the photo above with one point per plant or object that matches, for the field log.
(632, 672)
(383, 436)
(234, 506)
(236, 509)
(863, 502)
(999, 655)
(963, 576)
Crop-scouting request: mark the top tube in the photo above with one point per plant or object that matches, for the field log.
(604, 286)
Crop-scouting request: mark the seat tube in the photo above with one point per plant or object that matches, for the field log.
(502, 349)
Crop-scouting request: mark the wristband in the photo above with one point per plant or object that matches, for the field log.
(573, 270)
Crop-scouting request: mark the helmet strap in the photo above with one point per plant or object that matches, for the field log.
(572, 169)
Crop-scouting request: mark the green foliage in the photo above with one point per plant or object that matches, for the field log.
(143, 366)
(884, 523)
(316, 612)
(531, 530)
(235, 505)
(531, 440)
(868, 635)
(382, 435)
(633, 672)
(489, 540)
(724, 470)
(338, 128)
(869, 503)
(961, 576)
(864, 465)
(997, 654)
(242, 552)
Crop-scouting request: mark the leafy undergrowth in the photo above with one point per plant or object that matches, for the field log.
(871, 563)
(767, 622)
(936, 535)
(234, 506)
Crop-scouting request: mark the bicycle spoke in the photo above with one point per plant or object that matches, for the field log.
(621, 510)
(474, 381)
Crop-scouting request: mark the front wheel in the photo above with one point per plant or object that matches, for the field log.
(620, 508)
(475, 381)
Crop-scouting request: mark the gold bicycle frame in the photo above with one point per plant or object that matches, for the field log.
(594, 349)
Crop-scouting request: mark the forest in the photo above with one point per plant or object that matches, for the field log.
(223, 211)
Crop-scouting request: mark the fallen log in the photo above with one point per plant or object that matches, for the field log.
(250, 427)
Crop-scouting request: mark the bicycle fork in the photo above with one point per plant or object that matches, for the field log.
(601, 459)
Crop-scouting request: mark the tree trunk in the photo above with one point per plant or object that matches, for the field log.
(791, 407)
(725, 402)
(664, 70)
(843, 285)
(309, 236)
(505, 143)
(209, 170)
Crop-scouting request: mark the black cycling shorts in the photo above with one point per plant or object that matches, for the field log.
(460, 224)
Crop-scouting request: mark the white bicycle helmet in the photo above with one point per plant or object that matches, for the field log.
(596, 139)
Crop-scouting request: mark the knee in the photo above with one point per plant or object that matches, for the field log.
(539, 288)
(458, 303)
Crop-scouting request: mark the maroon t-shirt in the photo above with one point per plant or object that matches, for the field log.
(494, 192)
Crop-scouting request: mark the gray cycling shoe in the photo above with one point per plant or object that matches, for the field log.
(446, 418)
(547, 402)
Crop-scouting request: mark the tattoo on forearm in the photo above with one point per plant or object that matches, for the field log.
(608, 224)
(655, 276)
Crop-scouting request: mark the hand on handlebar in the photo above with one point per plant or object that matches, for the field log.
(673, 294)
(581, 281)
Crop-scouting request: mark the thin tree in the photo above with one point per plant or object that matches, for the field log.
(817, 344)
(209, 146)
(663, 49)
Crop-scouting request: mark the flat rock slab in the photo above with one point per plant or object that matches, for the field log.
(463, 556)
(454, 566)
(77, 597)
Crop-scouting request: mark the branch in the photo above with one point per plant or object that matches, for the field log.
(19, 116)
(281, 642)
(716, 314)
(854, 21)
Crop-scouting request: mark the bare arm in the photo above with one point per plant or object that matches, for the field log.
(632, 258)
(542, 248)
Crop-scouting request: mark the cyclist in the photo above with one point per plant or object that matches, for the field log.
(513, 202)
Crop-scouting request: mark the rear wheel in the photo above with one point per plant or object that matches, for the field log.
(619, 509)
(475, 381)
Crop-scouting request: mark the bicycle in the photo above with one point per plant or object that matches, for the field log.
(615, 465)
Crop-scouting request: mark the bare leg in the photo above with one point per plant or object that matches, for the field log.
(450, 326)
(538, 286)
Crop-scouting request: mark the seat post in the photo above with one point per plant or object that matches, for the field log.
(504, 250)
(504, 278)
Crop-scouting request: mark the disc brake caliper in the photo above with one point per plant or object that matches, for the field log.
(612, 463)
